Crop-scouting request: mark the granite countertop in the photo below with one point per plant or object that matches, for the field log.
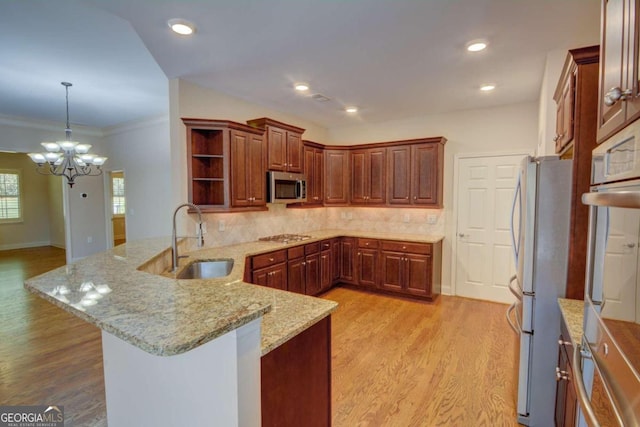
(149, 308)
(572, 312)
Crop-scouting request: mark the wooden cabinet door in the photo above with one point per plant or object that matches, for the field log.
(359, 177)
(256, 172)
(336, 260)
(326, 277)
(399, 175)
(296, 276)
(277, 146)
(348, 254)
(274, 276)
(248, 182)
(565, 114)
(613, 67)
(377, 176)
(425, 174)
(633, 62)
(367, 262)
(240, 151)
(318, 176)
(391, 270)
(294, 152)
(417, 278)
(312, 274)
(336, 177)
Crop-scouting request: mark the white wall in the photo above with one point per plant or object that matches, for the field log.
(25, 135)
(142, 151)
(33, 230)
(56, 211)
(491, 130)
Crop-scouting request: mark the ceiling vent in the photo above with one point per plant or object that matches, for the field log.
(320, 97)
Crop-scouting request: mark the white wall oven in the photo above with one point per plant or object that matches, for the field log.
(607, 362)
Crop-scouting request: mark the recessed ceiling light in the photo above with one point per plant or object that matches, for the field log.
(301, 87)
(181, 26)
(476, 46)
(487, 87)
(351, 110)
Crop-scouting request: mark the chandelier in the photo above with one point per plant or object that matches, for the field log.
(68, 158)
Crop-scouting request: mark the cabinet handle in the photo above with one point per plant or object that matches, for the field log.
(563, 342)
(561, 375)
(616, 94)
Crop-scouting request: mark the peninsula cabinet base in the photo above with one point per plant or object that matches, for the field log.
(296, 380)
(216, 383)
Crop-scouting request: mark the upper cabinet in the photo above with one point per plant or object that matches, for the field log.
(336, 177)
(284, 144)
(577, 98)
(314, 171)
(415, 173)
(368, 177)
(618, 103)
(226, 165)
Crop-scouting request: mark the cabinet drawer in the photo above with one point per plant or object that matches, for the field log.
(368, 243)
(296, 252)
(265, 260)
(325, 245)
(415, 248)
(312, 248)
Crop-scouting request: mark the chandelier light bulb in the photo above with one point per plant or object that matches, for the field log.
(37, 157)
(50, 146)
(83, 148)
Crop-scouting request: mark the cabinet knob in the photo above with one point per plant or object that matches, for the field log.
(616, 94)
(304, 263)
(415, 197)
(271, 259)
(556, 138)
(404, 247)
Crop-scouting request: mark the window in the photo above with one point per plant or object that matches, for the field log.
(10, 197)
(118, 195)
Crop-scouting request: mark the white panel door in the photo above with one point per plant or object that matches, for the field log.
(620, 272)
(484, 259)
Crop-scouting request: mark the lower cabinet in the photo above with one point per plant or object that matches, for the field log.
(405, 268)
(296, 380)
(411, 268)
(367, 260)
(270, 270)
(566, 399)
(348, 260)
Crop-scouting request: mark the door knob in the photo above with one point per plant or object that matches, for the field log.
(462, 235)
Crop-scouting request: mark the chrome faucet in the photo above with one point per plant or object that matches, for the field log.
(174, 238)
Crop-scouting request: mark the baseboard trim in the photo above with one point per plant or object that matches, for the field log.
(24, 245)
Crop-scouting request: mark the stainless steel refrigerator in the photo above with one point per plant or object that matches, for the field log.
(540, 239)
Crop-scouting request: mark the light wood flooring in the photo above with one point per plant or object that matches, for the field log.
(396, 362)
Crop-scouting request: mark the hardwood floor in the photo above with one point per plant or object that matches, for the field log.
(47, 357)
(396, 362)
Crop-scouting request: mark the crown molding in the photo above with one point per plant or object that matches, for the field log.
(135, 125)
(29, 123)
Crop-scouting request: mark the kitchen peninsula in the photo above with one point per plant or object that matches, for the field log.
(191, 347)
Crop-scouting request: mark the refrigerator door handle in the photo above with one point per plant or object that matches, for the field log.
(513, 326)
(516, 292)
(517, 196)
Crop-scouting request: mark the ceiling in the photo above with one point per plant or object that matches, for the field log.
(391, 58)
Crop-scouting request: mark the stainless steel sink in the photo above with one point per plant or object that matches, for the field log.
(206, 269)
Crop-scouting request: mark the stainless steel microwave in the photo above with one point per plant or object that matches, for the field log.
(284, 187)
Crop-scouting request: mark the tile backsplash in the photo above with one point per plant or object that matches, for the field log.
(231, 228)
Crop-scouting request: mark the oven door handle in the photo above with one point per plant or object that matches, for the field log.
(616, 199)
(581, 391)
(515, 328)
